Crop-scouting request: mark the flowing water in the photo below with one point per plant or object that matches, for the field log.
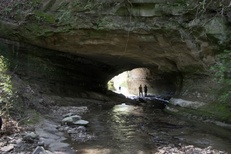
(128, 129)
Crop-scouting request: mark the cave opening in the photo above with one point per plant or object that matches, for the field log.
(127, 83)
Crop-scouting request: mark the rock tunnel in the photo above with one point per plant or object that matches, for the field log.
(72, 46)
(71, 74)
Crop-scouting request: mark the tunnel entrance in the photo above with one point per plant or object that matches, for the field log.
(127, 83)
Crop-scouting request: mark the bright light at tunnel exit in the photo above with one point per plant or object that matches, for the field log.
(127, 83)
(118, 84)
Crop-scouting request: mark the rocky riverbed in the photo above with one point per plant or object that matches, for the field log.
(55, 135)
(49, 135)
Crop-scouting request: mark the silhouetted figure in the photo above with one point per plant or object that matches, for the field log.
(145, 90)
(0, 122)
(140, 91)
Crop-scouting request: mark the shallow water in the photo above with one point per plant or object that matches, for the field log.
(128, 129)
(117, 130)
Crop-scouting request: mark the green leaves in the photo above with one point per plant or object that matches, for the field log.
(222, 66)
(6, 92)
(222, 73)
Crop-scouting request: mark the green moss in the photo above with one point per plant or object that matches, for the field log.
(219, 111)
(211, 111)
(34, 30)
(44, 17)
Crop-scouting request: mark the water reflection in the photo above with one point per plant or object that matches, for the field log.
(125, 122)
(128, 129)
(126, 109)
(96, 151)
(118, 132)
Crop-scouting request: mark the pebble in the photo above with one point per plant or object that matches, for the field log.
(41, 143)
(189, 149)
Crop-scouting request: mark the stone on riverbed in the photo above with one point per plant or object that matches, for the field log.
(30, 137)
(80, 129)
(189, 149)
(39, 150)
(81, 122)
(7, 148)
(186, 103)
(68, 115)
(71, 119)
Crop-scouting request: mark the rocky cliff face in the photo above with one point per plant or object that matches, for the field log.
(169, 37)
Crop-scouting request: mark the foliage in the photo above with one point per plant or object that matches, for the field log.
(222, 67)
(6, 92)
(222, 73)
(32, 117)
(16, 9)
(211, 111)
(110, 85)
(220, 6)
(220, 111)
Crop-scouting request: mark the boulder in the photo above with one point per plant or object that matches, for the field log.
(68, 115)
(186, 103)
(81, 122)
(71, 119)
(81, 129)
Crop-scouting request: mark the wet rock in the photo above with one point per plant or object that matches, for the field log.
(185, 103)
(7, 148)
(81, 122)
(189, 149)
(66, 128)
(30, 137)
(40, 100)
(68, 115)
(81, 129)
(76, 130)
(71, 131)
(39, 150)
(41, 143)
(67, 110)
(71, 119)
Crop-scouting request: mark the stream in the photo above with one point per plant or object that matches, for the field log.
(128, 129)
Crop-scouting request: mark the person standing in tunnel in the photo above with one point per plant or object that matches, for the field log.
(145, 90)
(140, 91)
